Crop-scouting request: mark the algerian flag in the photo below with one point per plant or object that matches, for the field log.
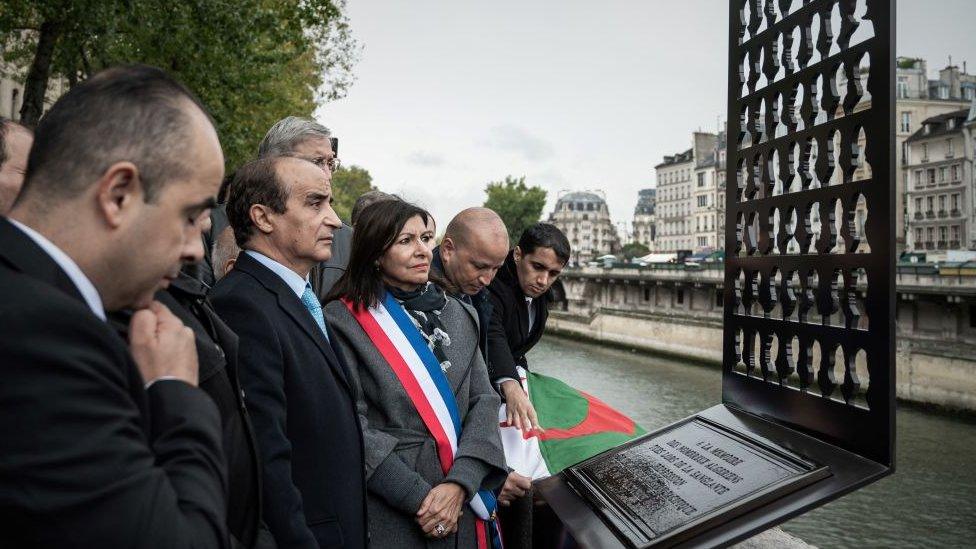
(577, 426)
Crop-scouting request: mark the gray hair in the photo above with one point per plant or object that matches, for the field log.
(288, 132)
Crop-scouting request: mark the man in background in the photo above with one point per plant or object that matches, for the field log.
(15, 144)
(311, 141)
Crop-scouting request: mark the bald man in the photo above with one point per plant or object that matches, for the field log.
(474, 247)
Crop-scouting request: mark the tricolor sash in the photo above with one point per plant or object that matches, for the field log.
(418, 370)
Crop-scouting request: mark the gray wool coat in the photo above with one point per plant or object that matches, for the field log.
(401, 457)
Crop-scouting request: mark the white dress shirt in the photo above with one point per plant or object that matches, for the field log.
(292, 279)
(70, 268)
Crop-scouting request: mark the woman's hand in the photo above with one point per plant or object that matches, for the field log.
(519, 410)
(442, 507)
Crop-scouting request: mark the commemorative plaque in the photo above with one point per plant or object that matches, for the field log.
(657, 490)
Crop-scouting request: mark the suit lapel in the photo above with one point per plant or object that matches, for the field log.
(22, 254)
(294, 308)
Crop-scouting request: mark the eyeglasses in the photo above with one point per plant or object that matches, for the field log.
(332, 163)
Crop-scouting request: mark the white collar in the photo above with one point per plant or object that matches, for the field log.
(290, 277)
(70, 268)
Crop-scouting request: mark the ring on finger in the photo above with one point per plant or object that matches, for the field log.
(440, 530)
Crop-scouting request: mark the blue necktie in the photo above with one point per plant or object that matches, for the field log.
(312, 304)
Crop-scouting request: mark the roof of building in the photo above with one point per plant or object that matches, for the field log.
(938, 125)
(581, 196)
(645, 201)
(679, 158)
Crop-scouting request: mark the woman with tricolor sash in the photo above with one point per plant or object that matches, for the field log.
(428, 411)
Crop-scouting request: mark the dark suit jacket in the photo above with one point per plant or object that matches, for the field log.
(324, 275)
(88, 456)
(217, 357)
(480, 301)
(509, 337)
(303, 411)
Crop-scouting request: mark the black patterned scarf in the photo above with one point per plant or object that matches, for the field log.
(424, 305)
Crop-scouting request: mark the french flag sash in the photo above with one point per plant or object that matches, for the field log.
(414, 364)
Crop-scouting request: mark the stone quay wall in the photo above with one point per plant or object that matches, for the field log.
(678, 312)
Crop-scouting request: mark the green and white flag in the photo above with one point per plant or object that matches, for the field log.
(576, 426)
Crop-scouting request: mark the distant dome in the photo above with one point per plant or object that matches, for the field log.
(581, 196)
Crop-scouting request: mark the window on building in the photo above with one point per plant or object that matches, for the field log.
(968, 94)
(702, 241)
(955, 232)
(918, 234)
(681, 295)
(930, 234)
(925, 151)
(586, 217)
(719, 296)
(955, 172)
(943, 234)
(942, 202)
(943, 91)
(931, 174)
(701, 179)
(902, 88)
(647, 294)
(918, 177)
(950, 148)
(955, 201)
(918, 205)
(906, 122)
(942, 174)
(702, 201)
(930, 202)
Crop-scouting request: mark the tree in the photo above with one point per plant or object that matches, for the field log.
(348, 184)
(634, 249)
(518, 205)
(251, 62)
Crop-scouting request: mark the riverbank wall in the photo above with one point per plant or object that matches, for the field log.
(933, 373)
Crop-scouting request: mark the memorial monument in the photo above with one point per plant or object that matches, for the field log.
(808, 401)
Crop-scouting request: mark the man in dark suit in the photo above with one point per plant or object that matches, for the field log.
(307, 139)
(216, 344)
(104, 444)
(519, 297)
(297, 388)
(474, 247)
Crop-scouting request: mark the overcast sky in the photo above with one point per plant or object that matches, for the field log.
(452, 94)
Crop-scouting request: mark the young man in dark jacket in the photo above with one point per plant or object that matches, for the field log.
(519, 298)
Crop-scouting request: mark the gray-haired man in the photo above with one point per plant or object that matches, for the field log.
(309, 140)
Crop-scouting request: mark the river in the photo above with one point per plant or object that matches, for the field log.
(929, 502)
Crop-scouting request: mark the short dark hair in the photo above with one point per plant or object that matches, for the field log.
(376, 230)
(545, 235)
(133, 112)
(256, 182)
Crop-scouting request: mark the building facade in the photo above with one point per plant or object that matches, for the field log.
(939, 164)
(584, 218)
(644, 229)
(686, 197)
(12, 91)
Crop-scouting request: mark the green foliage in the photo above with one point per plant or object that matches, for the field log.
(634, 249)
(251, 62)
(348, 184)
(518, 205)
